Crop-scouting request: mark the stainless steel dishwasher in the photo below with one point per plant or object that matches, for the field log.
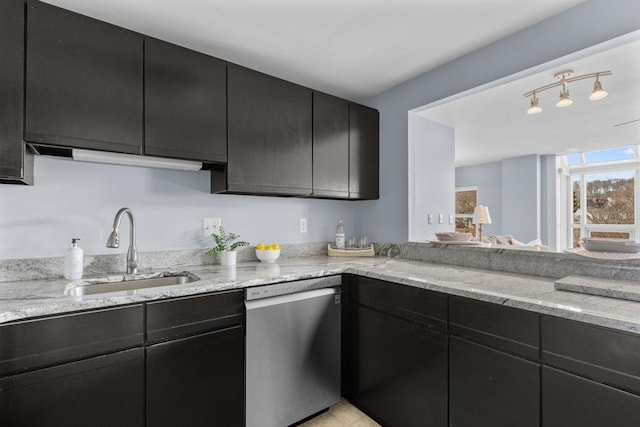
(293, 350)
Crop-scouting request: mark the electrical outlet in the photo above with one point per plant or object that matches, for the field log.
(429, 218)
(450, 219)
(303, 225)
(211, 226)
(440, 219)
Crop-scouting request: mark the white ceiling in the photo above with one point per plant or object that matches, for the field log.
(493, 124)
(350, 48)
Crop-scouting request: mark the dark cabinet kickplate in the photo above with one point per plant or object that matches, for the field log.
(620, 289)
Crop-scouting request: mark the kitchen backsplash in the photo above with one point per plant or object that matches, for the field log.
(44, 268)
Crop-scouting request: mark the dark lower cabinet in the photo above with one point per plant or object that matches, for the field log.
(395, 366)
(572, 401)
(102, 391)
(402, 371)
(491, 388)
(197, 381)
(195, 360)
(84, 82)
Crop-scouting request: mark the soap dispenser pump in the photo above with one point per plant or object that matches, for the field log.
(73, 261)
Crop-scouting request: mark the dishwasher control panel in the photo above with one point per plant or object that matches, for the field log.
(285, 288)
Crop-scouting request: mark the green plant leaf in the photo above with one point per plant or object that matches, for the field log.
(224, 242)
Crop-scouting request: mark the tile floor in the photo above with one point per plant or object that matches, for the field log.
(342, 414)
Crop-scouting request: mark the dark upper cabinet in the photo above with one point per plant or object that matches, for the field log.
(16, 162)
(83, 82)
(490, 388)
(330, 146)
(185, 103)
(269, 145)
(364, 152)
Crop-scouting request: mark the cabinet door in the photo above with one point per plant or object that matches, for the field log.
(84, 82)
(185, 103)
(179, 317)
(37, 343)
(503, 328)
(269, 147)
(102, 391)
(603, 355)
(363, 152)
(16, 164)
(402, 371)
(330, 146)
(491, 388)
(197, 381)
(571, 401)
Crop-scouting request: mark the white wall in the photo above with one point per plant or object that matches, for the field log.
(75, 199)
(431, 177)
(488, 178)
(585, 25)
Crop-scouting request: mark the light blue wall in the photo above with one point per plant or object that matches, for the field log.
(521, 179)
(74, 199)
(585, 25)
(487, 177)
(521, 197)
(79, 200)
(432, 176)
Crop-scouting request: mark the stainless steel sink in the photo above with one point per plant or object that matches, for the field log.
(112, 284)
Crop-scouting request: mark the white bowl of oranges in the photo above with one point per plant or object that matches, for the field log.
(267, 253)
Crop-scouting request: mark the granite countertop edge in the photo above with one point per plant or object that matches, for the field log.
(32, 299)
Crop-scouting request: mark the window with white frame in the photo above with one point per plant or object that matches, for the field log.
(601, 194)
(466, 202)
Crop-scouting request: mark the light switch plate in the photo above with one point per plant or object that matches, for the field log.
(440, 218)
(429, 218)
(211, 226)
(450, 219)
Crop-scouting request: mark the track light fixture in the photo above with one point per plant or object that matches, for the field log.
(562, 79)
(535, 105)
(598, 92)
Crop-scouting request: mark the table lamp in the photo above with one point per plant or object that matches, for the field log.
(480, 217)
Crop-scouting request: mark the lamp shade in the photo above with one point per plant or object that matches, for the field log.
(481, 215)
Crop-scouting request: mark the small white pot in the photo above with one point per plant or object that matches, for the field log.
(227, 258)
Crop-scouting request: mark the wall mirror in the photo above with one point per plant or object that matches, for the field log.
(553, 176)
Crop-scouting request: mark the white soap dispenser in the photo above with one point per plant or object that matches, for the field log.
(73, 261)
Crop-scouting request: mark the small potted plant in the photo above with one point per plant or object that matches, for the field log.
(226, 247)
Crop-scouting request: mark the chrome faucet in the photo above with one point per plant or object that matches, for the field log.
(114, 239)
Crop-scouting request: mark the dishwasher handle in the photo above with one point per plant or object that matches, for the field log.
(292, 298)
(283, 288)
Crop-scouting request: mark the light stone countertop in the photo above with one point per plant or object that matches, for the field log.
(33, 298)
